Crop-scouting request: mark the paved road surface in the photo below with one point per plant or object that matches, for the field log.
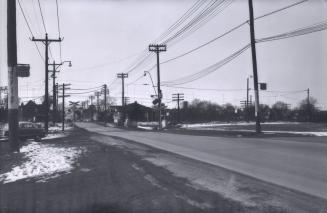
(286, 162)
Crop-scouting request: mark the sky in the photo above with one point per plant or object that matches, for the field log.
(105, 37)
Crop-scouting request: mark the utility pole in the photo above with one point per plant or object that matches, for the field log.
(126, 100)
(105, 97)
(54, 104)
(97, 94)
(63, 88)
(254, 64)
(157, 48)
(123, 76)
(91, 104)
(178, 97)
(57, 86)
(46, 42)
(308, 96)
(308, 104)
(247, 99)
(12, 76)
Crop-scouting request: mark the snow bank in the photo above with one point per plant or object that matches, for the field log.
(217, 124)
(43, 161)
(319, 134)
(145, 127)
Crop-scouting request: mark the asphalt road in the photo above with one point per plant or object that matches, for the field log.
(288, 162)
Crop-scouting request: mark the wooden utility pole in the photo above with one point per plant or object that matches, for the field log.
(123, 76)
(54, 99)
(254, 64)
(105, 96)
(63, 87)
(12, 76)
(157, 48)
(57, 90)
(308, 96)
(178, 97)
(46, 41)
(97, 94)
(247, 99)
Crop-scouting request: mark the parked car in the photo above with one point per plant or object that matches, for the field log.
(27, 130)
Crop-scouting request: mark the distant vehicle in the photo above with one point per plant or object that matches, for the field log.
(27, 130)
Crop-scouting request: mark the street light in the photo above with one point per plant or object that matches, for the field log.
(69, 64)
(154, 88)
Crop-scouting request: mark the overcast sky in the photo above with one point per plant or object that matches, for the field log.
(105, 37)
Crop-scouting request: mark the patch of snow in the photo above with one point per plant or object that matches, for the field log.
(153, 123)
(58, 128)
(202, 206)
(43, 161)
(218, 124)
(55, 135)
(145, 127)
(319, 134)
(153, 181)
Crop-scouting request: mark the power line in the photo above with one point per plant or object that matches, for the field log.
(44, 26)
(92, 88)
(43, 22)
(29, 28)
(298, 32)
(77, 93)
(281, 9)
(205, 89)
(59, 32)
(206, 71)
(228, 32)
(203, 13)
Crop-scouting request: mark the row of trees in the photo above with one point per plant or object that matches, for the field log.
(204, 111)
(195, 111)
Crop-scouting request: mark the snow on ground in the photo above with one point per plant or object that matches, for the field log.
(152, 123)
(58, 128)
(43, 161)
(217, 124)
(54, 135)
(319, 134)
(145, 127)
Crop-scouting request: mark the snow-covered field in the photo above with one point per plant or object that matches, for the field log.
(42, 161)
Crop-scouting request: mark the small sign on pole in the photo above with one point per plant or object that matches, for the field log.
(23, 70)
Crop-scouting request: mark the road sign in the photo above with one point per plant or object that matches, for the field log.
(263, 86)
(23, 70)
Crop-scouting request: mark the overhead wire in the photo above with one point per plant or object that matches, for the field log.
(228, 32)
(91, 88)
(59, 31)
(207, 10)
(203, 13)
(207, 70)
(205, 89)
(43, 22)
(281, 9)
(44, 26)
(298, 32)
(29, 28)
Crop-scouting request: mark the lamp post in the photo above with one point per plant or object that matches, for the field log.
(154, 88)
